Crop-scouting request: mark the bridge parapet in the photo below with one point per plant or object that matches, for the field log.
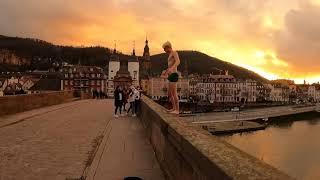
(19, 103)
(190, 153)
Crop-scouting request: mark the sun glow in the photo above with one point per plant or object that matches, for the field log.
(273, 38)
(259, 54)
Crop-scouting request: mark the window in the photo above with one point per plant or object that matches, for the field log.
(98, 83)
(71, 82)
(66, 82)
(66, 75)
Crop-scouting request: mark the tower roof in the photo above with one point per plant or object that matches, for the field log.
(134, 49)
(146, 48)
(114, 56)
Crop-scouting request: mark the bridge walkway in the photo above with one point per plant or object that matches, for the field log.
(62, 142)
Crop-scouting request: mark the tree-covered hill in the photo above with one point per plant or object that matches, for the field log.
(201, 63)
(42, 54)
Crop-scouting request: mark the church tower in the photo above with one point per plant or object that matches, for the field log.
(133, 67)
(146, 62)
(146, 53)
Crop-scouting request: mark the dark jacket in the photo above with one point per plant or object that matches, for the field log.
(117, 101)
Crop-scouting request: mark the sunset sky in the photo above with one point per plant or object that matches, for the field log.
(275, 38)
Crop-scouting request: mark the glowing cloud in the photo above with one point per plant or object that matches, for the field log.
(274, 38)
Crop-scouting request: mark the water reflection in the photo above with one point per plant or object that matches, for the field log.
(291, 145)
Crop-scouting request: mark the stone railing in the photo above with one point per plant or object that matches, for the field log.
(185, 152)
(20, 103)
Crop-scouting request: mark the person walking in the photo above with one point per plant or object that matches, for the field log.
(131, 100)
(172, 75)
(125, 99)
(137, 96)
(118, 100)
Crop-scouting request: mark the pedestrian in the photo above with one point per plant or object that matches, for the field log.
(137, 96)
(118, 100)
(100, 94)
(131, 100)
(94, 93)
(172, 75)
(125, 99)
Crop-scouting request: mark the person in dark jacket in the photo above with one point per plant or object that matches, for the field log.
(125, 99)
(118, 100)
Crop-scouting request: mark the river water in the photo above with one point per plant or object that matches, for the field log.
(292, 146)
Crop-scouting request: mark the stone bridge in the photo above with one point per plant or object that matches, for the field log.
(56, 136)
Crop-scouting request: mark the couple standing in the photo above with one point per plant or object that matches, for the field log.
(122, 97)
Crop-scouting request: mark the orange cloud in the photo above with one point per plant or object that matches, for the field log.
(263, 36)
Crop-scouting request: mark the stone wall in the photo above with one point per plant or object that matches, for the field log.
(20, 103)
(186, 152)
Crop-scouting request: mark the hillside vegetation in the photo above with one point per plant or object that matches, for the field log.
(201, 63)
(41, 55)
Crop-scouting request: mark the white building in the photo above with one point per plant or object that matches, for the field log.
(276, 93)
(223, 89)
(247, 91)
(312, 92)
(193, 83)
(158, 88)
(115, 65)
(317, 94)
(279, 92)
(217, 88)
(133, 68)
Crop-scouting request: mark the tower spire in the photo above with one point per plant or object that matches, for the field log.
(115, 47)
(134, 49)
(146, 53)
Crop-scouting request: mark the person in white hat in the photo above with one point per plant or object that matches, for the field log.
(172, 74)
